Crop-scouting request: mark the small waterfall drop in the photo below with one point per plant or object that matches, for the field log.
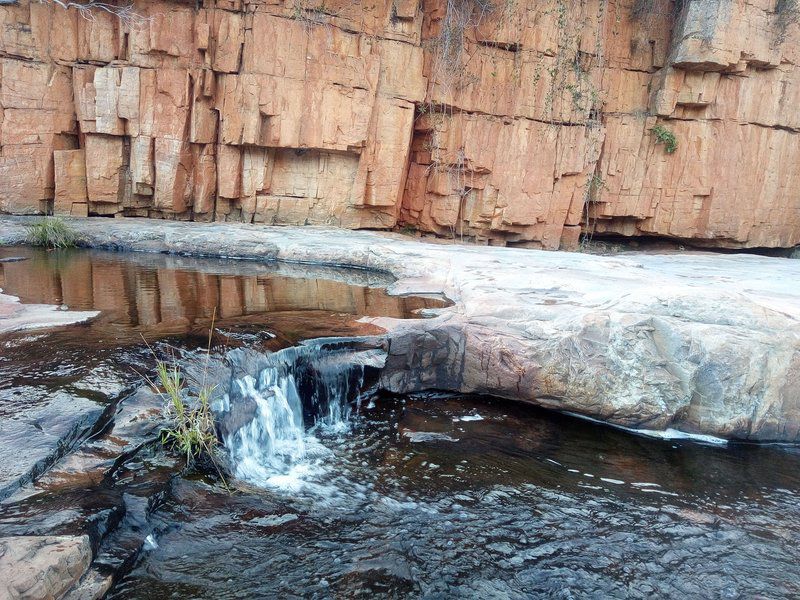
(277, 405)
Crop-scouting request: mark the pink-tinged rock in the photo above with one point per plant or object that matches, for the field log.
(142, 166)
(173, 170)
(228, 37)
(70, 181)
(205, 178)
(519, 133)
(229, 171)
(42, 567)
(104, 162)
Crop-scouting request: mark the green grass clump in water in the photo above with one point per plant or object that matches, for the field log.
(192, 424)
(52, 232)
(191, 421)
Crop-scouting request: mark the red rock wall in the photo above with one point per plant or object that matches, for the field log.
(525, 123)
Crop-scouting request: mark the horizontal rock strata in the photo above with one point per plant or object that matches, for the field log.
(526, 123)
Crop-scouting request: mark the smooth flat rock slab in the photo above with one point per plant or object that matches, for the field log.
(42, 567)
(138, 421)
(15, 316)
(694, 341)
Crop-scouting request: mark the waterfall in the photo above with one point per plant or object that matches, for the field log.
(274, 439)
(277, 405)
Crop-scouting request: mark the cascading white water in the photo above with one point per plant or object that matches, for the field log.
(275, 448)
(274, 439)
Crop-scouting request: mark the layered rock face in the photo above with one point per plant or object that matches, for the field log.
(523, 122)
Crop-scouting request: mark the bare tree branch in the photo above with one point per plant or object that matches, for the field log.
(125, 13)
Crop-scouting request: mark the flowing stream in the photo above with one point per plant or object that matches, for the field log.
(278, 447)
(343, 491)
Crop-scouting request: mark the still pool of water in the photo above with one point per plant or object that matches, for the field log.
(422, 496)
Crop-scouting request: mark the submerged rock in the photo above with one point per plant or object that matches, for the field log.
(15, 316)
(44, 426)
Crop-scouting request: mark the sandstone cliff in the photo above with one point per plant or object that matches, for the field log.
(523, 122)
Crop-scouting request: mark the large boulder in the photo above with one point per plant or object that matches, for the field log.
(706, 343)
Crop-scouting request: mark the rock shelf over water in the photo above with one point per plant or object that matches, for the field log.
(697, 342)
(15, 316)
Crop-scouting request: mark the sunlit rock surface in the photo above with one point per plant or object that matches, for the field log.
(698, 342)
(525, 129)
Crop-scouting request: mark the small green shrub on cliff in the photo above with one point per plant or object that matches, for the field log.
(52, 232)
(594, 186)
(666, 137)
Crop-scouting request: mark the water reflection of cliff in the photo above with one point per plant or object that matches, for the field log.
(159, 295)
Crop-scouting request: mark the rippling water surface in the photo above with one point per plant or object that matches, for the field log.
(493, 501)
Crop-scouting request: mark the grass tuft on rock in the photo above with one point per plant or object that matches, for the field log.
(191, 430)
(52, 232)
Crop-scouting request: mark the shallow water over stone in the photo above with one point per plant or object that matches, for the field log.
(157, 296)
(499, 501)
(419, 496)
(56, 385)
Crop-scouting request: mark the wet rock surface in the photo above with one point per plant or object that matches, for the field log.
(422, 495)
(103, 493)
(15, 316)
(702, 342)
(38, 427)
(80, 445)
(497, 500)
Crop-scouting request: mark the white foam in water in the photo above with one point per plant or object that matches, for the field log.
(274, 450)
(275, 439)
(428, 436)
(665, 434)
(675, 434)
(468, 418)
(273, 520)
(610, 480)
(150, 542)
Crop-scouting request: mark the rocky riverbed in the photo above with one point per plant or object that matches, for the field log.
(698, 342)
(82, 469)
(512, 496)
